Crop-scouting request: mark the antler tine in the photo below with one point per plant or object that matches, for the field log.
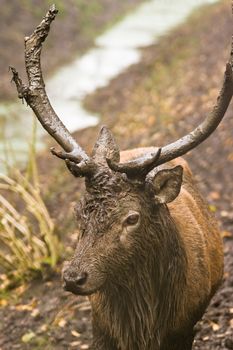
(205, 129)
(36, 97)
(137, 168)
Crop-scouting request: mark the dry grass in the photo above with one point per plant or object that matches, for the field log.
(28, 242)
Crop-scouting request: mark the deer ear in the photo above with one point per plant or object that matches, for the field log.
(106, 147)
(167, 184)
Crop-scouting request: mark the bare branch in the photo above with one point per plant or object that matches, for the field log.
(35, 94)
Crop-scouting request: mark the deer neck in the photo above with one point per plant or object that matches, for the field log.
(147, 297)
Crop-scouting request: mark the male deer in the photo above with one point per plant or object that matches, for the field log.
(149, 254)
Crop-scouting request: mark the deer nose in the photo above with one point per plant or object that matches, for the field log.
(73, 282)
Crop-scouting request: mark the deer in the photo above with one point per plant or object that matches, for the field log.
(149, 254)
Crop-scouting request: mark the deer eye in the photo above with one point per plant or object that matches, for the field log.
(132, 219)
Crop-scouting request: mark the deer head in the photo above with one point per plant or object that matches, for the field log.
(120, 198)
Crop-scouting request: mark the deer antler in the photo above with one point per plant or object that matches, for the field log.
(76, 159)
(195, 137)
(207, 127)
(36, 97)
(137, 168)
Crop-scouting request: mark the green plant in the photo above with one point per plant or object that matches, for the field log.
(27, 239)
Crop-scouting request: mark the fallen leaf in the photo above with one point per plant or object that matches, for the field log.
(23, 307)
(75, 343)
(215, 326)
(62, 322)
(214, 195)
(212, 208)
(21, 289)
(35, 312)
(3, 277)
(3, 302)
(27, 337)
(75, 334)
(27, 307)
(43, 328)
(224, 213)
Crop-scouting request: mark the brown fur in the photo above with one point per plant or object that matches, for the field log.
(147, 288)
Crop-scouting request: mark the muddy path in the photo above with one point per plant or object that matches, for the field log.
(80, 21)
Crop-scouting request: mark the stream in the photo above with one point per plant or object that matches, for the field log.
(114, 51)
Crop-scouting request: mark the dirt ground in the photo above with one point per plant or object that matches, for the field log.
(154, 102)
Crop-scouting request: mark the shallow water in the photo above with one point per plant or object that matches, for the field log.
(114, 51)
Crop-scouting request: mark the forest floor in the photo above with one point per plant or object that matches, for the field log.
(154, 102)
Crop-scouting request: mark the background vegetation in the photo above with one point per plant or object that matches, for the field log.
(80, 21)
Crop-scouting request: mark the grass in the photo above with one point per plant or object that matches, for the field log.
(28, 243)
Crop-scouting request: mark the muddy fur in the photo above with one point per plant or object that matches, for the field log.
(148, 283)
(138, 308)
